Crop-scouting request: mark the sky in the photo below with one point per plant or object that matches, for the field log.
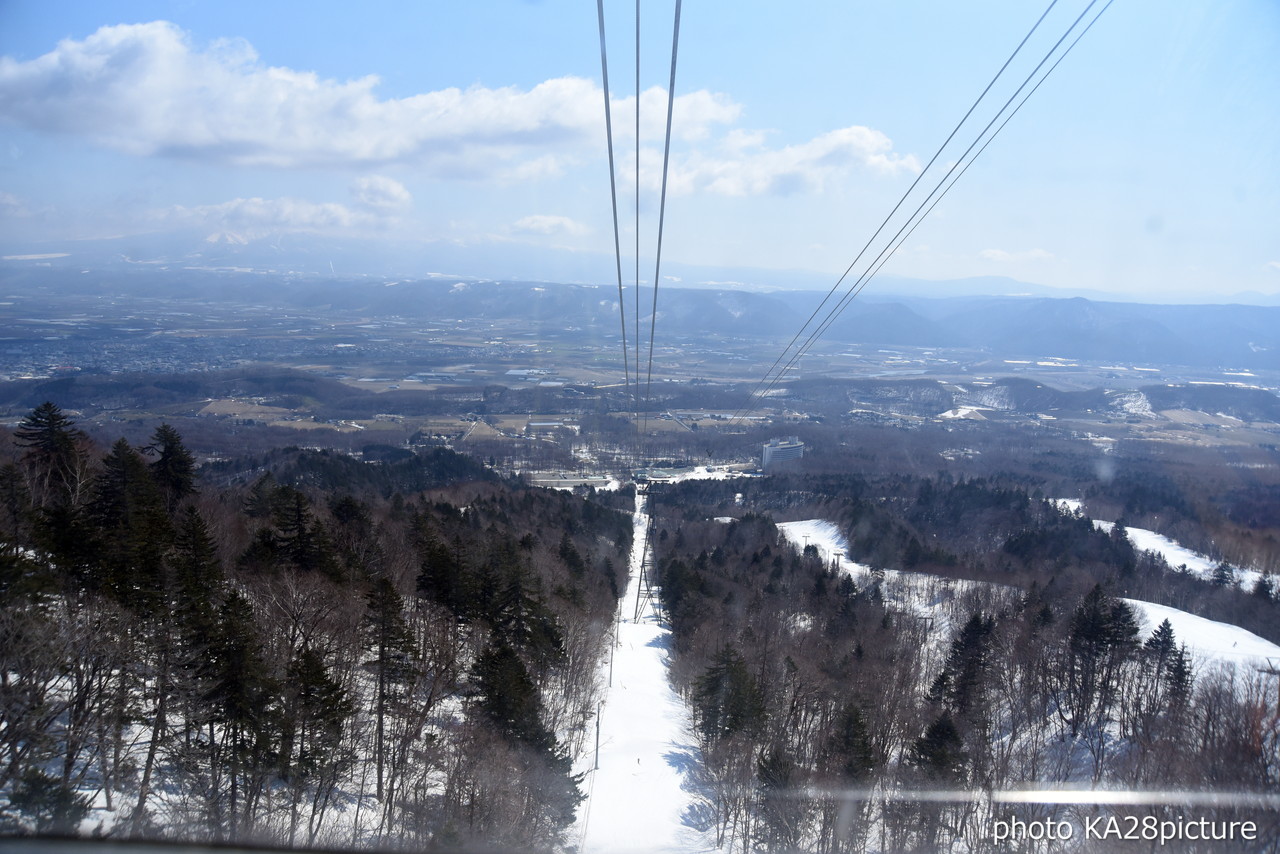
(1148, 164)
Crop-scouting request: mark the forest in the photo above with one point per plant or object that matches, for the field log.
(314, 648)
(298, 649)
(804, 679)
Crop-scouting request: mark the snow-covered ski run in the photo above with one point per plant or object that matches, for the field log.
(641, 791)
(1209, 641)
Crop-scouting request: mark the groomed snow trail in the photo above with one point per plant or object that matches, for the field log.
(1208, 641)
(639, 797)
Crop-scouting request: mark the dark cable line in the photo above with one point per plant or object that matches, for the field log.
(662, 211)
(635, 397)
(905, 195)
(990, 140)
(613, 193)
(885, 253)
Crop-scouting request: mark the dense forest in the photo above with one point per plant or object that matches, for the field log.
(300, 648)
(802, 678)
(402, 647)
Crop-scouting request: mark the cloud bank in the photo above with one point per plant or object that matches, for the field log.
(146, 90)
(550, 224)
(255, 216)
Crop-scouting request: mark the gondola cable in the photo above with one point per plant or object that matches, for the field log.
(613, 193)
(916, 217)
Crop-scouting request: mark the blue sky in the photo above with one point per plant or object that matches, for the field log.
(1147, 165)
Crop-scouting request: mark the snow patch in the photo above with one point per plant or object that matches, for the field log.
(1208, 640)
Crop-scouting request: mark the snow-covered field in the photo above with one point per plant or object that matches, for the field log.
(640, 797)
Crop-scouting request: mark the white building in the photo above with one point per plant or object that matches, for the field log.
(781, 450)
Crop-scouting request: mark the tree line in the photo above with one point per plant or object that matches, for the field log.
(298, 649)
(824, 701)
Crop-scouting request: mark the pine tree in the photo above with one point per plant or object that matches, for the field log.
(1224, 575)
(940, 751)
(1264, 588)
(131, 529)
(15, 510)
(174, 468)
(56, 463)
(315, 709)
(260, 503)
(727, 698)
(509, 699)
(55, 455)
(392, 661)
(850, 745)
(1160, 646)
(961, 684)
(242, 698)
(1103, 632)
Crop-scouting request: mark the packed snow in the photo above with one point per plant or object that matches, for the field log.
(640, 792)
(1175, 554)
(1208, 641)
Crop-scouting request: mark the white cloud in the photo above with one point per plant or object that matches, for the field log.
(550, 224)
(144, 89)
(692, 116)
(744, 167)
(380, 193)
(257, 216)
(1002, 257)
(1274, 265)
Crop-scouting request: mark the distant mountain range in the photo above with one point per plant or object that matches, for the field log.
(1231, 337)
(301, 253)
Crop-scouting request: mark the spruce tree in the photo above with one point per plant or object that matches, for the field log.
(727, 698)
(131, 530)
(940, 751)
(174, 468)
(392, 663)
(242, 698)
(54, 454)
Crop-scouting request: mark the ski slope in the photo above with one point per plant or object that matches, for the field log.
(1174, 553)
(1208, 641)
(642, 795)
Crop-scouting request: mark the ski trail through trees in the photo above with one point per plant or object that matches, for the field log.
(643, 792)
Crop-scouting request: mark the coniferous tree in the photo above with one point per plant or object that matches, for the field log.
(55, 455)
(1103, 632)
(727, 698)
(315, 709)
(260, 503)
(15, 510)
(392, 647)
(56, 463)
(850, 745)
(940, 751)
(241, 701)
(509, 699)
(174, 468)
(131, 529)
(961, 684)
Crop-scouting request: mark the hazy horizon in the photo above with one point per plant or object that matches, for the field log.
(1144, 168)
